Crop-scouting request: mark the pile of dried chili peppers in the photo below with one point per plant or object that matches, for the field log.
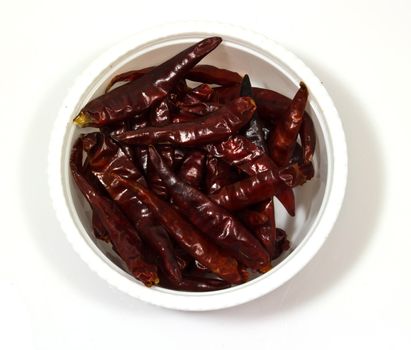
(181, 179)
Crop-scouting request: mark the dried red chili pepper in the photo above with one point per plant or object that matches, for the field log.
(122, 234)
(138, 95)
(105, 157)
(283, 137)
(128, 76)
(218, 175)
(204, 73)
(282, 244)
(212, 220)
(211, 128)
(242, 153)
(249, 191)
(185, 234)
(192, 169)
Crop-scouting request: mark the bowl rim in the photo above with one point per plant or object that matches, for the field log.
(333, 196)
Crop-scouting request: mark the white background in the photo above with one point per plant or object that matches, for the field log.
(354, 294)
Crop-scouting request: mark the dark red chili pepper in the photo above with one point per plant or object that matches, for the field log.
(213, 75)
(185, 234)
(254, 129)
(252, 218)
(212, 220)
(105, 157)
(308, 138)
(138, 95)
(218, 175)
(122, 234)
(192, 169)
(242, 153)
(213, 127)
(200, 108)
(128, 76)
(249, 191)
(201, 93)
(283, 137)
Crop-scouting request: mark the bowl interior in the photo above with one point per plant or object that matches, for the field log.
(265, 70)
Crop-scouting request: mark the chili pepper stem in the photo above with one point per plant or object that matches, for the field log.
(82, 120)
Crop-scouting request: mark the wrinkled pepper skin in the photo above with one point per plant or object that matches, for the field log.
(242, 153)
(212, 220)
(213, 75)
(213, 127)
(283, 137)
(106, 157)
(138, 95)
(218, 175)
(98, 228)
(160, 115)
(186, 235)
(122, 234)
(249, 191)
(193, 168)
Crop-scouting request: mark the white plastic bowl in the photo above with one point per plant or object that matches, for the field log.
(269, 65)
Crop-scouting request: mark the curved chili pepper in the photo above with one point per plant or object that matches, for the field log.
(185, 234)
(138, 95)
(218, 175)
(204, 73)
(122, 234)
(244, 193)
(192, 169)
(212, 220)
(242, 153)
(308, 138)
(105, 157)
(128, 76)
(283, 137)
(213, 127)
